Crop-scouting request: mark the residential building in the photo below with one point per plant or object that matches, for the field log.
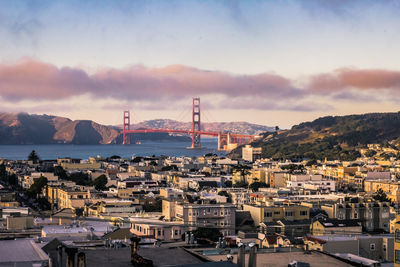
(261, 213)
(374, 247)
(220, 216)
(250, 153)
(373, 215)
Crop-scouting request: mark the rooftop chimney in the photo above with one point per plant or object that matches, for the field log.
(241, 255)
(253, 255)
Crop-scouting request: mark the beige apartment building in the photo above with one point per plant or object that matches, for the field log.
(250, 153)
(67, 197)
(372, 215)
(260, 213)
(160, 230)
(220, 216)
(19, 222)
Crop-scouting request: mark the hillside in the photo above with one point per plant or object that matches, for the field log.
(338, 137)
(233, 127)
(23, 128)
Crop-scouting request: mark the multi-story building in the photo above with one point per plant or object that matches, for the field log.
(261, 213)
(397, 242)
(393, 188)
(63, 197)
(250, 153)
(113, 207)
(325, 226)
(158, 229)
(373, 215)
(374, 247)
(27, 181)
(311, 181)
(220, 216)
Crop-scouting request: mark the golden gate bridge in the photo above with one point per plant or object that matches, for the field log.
(226, 141)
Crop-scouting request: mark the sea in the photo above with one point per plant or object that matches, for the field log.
(145, 148)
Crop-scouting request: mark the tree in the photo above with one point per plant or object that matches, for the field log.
(60, 172)
(37, 186)
(228, 183)
(370, 153)
(3, 172)
(172, 167)
(241, 184)
(293, 168)
(243, 171)
(381, 196)
(33, 156)
(80, 178)
(100, 182)
(311, 162)
(212, 234)
(256, 185)
(79, 211)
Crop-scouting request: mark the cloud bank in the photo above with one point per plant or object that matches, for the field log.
(33, 80)
(358, 79)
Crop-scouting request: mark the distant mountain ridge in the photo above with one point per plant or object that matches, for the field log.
(331, 137)
(24, 128)
(233, 127)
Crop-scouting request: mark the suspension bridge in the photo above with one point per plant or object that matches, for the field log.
(226, 141)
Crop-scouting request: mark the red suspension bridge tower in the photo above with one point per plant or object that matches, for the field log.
(126, 140)
(196, 143)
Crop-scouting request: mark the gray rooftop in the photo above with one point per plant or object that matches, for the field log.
(21, 250)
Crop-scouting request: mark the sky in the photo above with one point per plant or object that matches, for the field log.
(266, 62)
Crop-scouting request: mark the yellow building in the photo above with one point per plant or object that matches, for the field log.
(67, 197)
(257, 175)
(397, 242)
(19, 222)
(392, 189)
(333, 226)
(81, 166)
(273, 213)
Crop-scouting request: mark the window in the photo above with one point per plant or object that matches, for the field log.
(288, 213)
(355, 215)
(397, 256)
(372, 246)
(384, 247)
(303, 213)
(176, 232)
(208, 210)
(397, 236)
(268, 214)
(277, 212)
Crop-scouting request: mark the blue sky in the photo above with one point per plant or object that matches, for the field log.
(296, 40)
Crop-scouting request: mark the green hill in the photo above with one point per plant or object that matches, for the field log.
(338, 137)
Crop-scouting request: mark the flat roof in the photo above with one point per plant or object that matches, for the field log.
(21, 250)
(284, 258)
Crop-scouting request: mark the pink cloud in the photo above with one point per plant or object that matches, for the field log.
(32, 79)
(346, 78)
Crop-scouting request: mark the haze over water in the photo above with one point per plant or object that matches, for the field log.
(147, 148)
